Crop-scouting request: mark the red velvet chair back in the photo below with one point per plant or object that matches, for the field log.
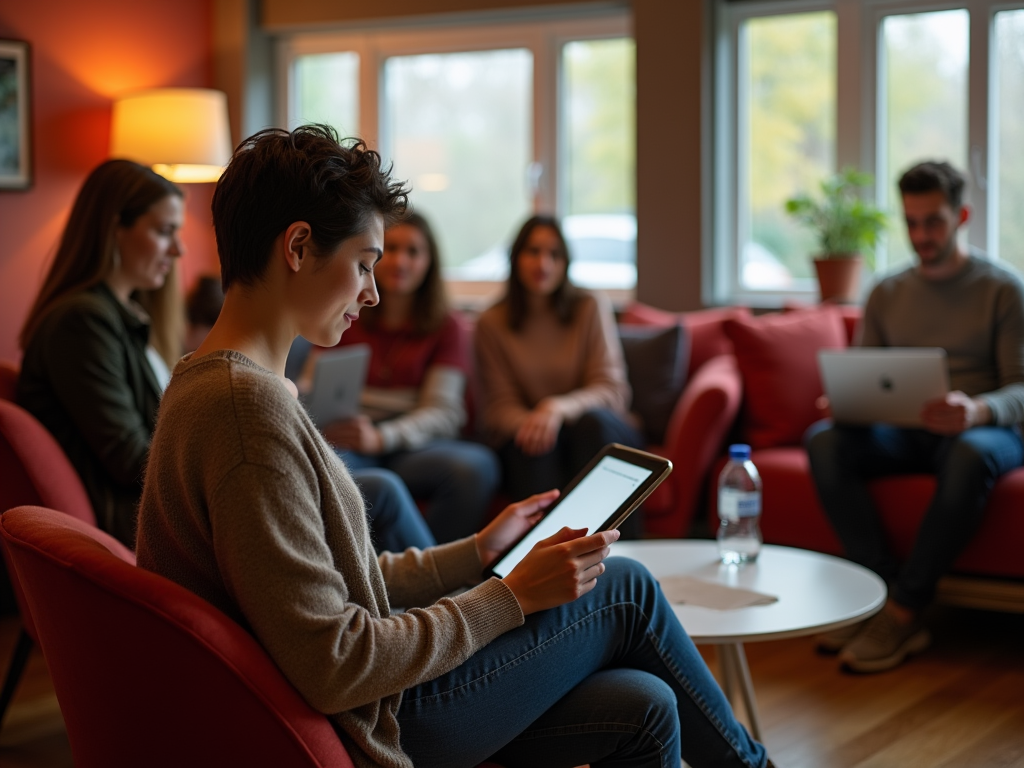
(146, 672)
(8, 380)
(34, 470)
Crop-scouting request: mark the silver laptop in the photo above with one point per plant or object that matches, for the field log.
(337, 384)
(882, 384)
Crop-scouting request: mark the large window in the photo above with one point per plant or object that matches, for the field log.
(1008, 181)
(805, 88)
(490, 124)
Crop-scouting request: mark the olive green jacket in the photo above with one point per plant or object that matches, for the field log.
(86, 377)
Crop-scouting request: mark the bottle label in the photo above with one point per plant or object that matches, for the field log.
(732, 505)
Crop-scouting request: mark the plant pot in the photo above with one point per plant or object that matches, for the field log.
(838, 278)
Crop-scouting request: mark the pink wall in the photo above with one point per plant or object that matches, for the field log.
(83, 55)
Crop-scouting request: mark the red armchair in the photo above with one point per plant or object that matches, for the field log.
(147, 672)
(34, 470)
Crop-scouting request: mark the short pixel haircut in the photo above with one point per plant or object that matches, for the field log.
(276, 178)
(932, 176)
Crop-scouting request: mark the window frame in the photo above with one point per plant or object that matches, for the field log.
(543, 37)
(860, 116)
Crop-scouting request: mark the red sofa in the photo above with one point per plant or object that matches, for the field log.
(792, 513)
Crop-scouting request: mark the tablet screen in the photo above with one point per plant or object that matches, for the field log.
(588, 505)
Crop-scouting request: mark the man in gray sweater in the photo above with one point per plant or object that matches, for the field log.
(972, 308)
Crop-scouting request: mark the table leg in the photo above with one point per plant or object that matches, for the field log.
(733, 664)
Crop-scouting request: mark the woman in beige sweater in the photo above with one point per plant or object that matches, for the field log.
(553, 385)
(569, 659)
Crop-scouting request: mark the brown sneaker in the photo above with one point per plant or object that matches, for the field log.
(833, 642)
(884, 644)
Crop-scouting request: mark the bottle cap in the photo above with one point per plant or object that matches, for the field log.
(739, 452)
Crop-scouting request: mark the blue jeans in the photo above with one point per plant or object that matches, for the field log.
(966, 466)
(610, 679)
(456, 478)
(395, 522)
(578, 442)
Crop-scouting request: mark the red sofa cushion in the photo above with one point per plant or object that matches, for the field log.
(777, 356)
(704, 327)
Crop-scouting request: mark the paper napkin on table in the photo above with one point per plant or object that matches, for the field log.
(687, 590)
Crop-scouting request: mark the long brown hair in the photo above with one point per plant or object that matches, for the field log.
(115, 194)
(430, 303)
(565, 296)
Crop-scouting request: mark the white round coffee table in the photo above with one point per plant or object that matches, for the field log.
(816, 593)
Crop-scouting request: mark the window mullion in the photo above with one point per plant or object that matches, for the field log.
(980, 154)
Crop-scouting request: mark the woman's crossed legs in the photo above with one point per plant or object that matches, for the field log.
(611, 679)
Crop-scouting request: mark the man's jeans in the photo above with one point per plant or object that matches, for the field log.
(966, 467)
(610, 679)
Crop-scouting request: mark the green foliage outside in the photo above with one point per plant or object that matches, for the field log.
(791, 104)
(925, 77)
(843, 223)
(1010, 61)
(328, 91)
(599, 78)
(463, 120)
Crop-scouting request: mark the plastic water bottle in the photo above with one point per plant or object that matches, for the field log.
(739, 508)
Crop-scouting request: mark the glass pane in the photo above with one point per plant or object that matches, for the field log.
(924, 72)
(788, 98)
(599, 160)
(459, 128)
(1010, 126)
(327, 91)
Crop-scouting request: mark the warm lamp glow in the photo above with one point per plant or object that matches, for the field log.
(182, 133)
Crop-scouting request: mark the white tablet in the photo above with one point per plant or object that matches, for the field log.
(600, 498)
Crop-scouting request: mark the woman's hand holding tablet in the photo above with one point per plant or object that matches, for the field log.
(558, 569)
(547, 557)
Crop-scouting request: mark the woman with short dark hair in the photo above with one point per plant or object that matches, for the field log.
(414, 399)
(568, 659)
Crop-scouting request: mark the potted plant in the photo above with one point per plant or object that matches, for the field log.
(847, 228)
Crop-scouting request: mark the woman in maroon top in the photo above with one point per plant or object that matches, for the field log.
(413, 403)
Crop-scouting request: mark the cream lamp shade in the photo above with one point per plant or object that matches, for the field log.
(181, 133)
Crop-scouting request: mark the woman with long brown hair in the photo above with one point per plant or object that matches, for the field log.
(553, 384)
(105, 330)
(413, 404)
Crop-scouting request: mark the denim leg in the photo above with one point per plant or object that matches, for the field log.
(615, 718)
(527, 475)
(966, 468)
(591, 432)
(520, 688)
(456, 478)
(843, 459)
(395, 522)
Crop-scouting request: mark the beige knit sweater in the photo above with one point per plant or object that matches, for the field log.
(246, 505)
(578, 365)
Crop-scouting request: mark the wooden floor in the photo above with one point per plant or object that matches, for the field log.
(961, 705)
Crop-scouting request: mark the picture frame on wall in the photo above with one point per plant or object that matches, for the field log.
(15, 116)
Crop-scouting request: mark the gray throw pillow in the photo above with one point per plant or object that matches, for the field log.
(656, 363)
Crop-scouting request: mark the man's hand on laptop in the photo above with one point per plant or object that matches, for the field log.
(954, 413)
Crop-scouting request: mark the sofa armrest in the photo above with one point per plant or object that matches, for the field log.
(699, 425)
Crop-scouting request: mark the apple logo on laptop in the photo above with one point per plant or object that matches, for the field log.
(885, 383)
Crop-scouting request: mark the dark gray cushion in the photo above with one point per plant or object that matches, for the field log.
(656, 363)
